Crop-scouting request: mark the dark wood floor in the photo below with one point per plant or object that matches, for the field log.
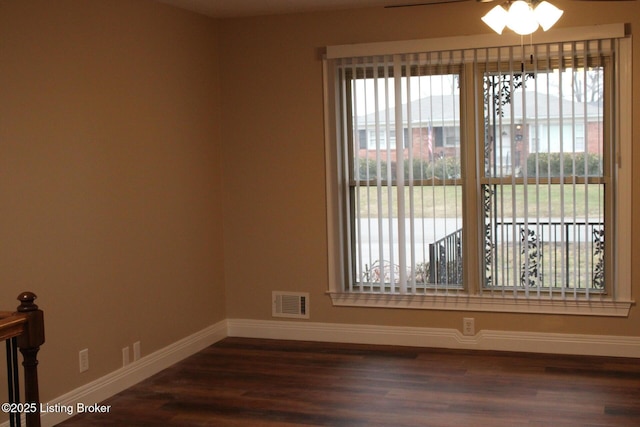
(249, 382)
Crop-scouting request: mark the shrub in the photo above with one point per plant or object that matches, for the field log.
(548, 164)
(442, 168)
(368, 169)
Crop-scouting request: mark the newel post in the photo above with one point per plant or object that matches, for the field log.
(29, 343)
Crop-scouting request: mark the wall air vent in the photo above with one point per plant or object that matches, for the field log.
(290, 304)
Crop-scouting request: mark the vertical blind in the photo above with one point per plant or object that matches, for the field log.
(545, 162)
(404, 170)
(539, 144)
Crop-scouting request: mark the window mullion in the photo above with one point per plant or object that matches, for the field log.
(472, 143)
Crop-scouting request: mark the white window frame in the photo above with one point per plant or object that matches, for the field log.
(616, 304)
(450, 133)
(379, 139)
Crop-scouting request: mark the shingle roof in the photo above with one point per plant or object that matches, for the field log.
(446, 109)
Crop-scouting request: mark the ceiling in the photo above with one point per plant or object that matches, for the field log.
(238, 8)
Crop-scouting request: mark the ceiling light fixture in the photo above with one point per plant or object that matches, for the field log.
(523, 17)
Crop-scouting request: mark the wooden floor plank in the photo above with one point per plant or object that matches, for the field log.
(274, 383)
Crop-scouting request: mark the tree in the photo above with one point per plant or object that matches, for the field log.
(587, 85)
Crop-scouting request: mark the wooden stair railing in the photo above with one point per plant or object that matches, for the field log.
(24, 329)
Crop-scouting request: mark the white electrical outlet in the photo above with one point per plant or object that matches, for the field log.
(84, 360)
(468, 326)
(136, 350)
(125, 356)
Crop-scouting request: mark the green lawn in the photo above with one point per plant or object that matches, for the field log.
(446, 201)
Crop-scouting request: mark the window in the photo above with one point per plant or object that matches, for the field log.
(544, 209)
(506, 191)
(448, 136)
(372, 139)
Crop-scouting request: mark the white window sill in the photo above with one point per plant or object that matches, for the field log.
(504, 304)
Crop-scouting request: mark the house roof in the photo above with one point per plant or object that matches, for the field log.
(445, 109)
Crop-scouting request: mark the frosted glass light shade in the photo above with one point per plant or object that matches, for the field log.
(496, 18)
(547, 14)
(521, 18)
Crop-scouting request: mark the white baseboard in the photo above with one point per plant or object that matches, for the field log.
(532, 342)
(117, 381)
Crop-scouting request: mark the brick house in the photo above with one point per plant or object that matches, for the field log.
(434, 131)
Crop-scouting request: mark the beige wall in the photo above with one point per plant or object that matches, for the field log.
(110, 177)
(131, 132)
(274, 158)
